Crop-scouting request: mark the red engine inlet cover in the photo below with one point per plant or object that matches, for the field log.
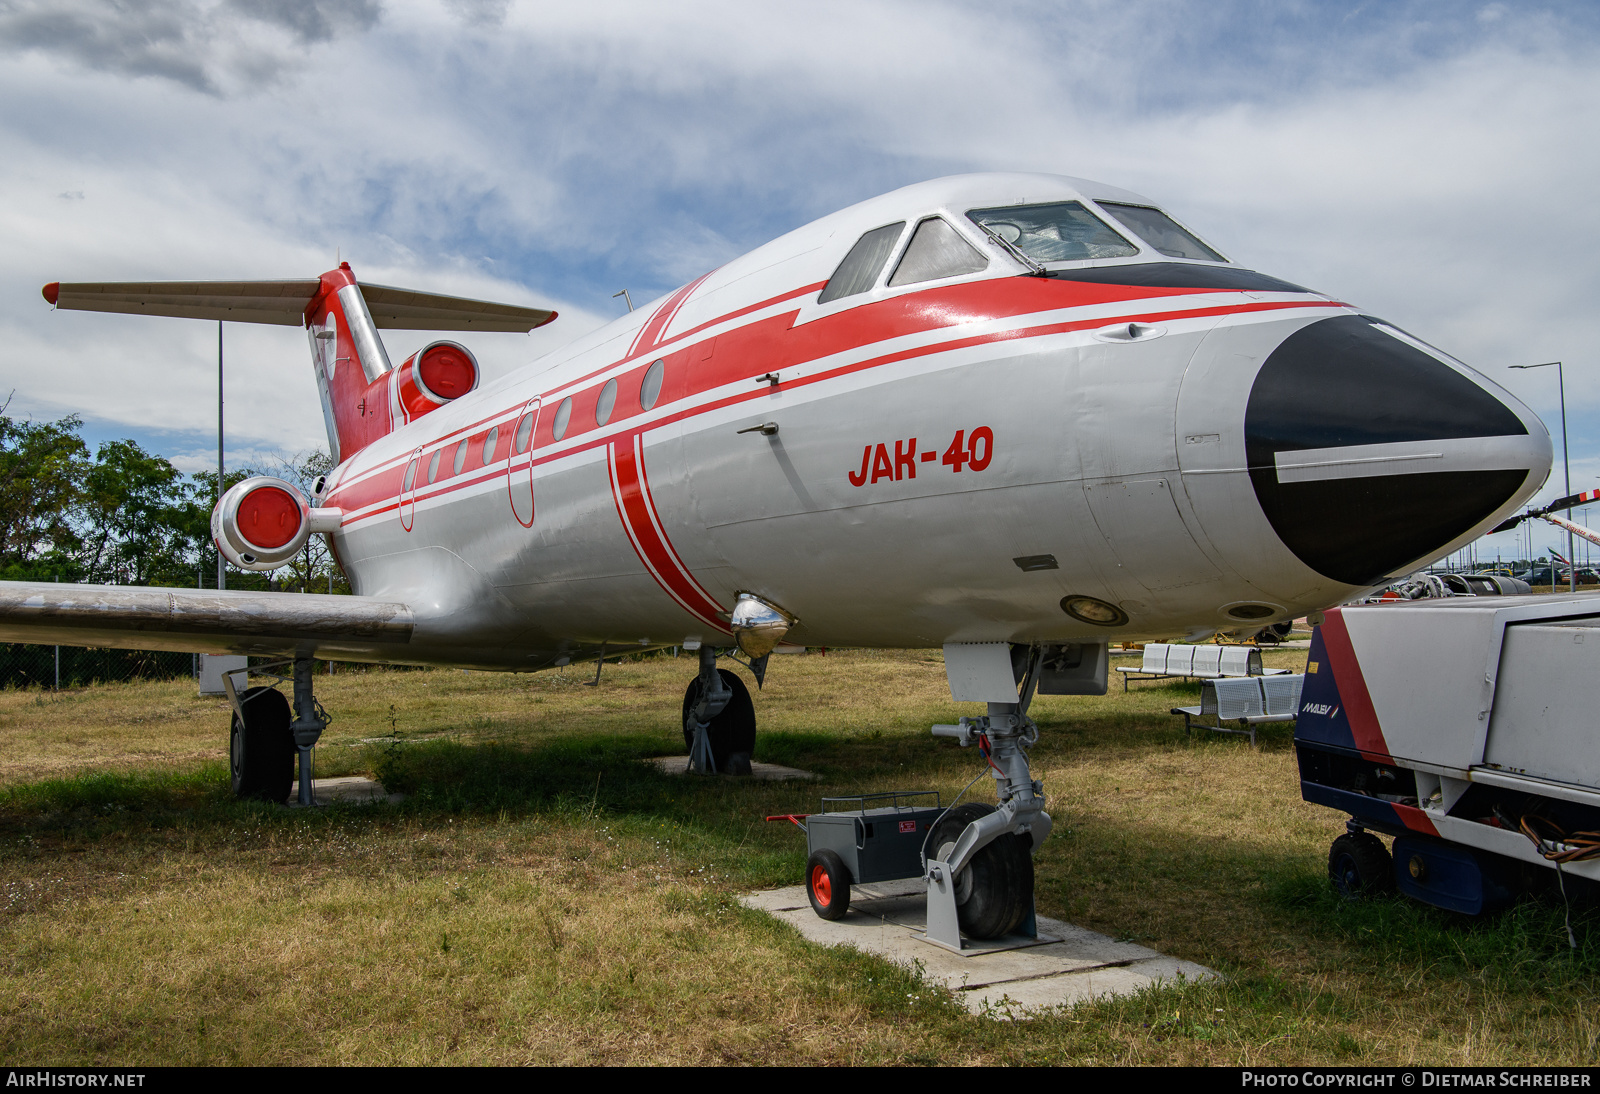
(269, 517)
(447, 371)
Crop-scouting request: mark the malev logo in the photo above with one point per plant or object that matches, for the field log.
(1325, 709)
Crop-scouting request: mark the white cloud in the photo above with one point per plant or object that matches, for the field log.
(1435, 173)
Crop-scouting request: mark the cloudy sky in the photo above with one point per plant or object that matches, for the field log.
(1432, 163)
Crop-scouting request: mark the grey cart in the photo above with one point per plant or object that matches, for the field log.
(862, 839)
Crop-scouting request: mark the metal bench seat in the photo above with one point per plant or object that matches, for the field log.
(1209, 662)
(1246, 701)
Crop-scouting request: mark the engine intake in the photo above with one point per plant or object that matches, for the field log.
(263, 522)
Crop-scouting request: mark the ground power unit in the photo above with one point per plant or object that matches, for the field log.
(1466, 729)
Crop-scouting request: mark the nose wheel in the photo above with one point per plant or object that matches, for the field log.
(994, 892)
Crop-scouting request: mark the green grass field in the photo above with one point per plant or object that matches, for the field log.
(543, 896)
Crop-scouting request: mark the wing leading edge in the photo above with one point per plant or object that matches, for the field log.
(203, 621)
(284, 303)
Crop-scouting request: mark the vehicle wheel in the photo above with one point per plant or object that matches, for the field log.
(994, 893)
(827, 884)
(733, 732)
(1359, 865)
(261, 749)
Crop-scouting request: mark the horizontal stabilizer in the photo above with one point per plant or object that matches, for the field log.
(200, 620)
(284, 303)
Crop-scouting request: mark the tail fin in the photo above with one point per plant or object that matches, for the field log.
(363, 397)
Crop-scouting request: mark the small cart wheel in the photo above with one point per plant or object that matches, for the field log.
(1359, 865)
(828, 884)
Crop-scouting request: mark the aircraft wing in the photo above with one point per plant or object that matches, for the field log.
(284, 303)
(202, 620)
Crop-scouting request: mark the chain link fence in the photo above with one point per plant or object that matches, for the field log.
(23, 666)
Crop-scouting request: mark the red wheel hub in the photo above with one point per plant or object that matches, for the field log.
(821, 886)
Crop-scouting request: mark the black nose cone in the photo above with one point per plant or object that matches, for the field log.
(1348, 435)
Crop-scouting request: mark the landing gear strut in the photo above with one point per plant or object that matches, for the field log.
(264, 738)
(980, 864)
(719, 720)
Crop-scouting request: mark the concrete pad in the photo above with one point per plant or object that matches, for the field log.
(1066, 965)
(349, 788)
(679, 765)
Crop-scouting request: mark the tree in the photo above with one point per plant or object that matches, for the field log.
(138, 518)
(41, 468)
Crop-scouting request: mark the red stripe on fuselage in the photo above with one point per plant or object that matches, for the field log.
(385, 483)
(774, 343)
(1358, 708)
(649, 335)
(625, 465)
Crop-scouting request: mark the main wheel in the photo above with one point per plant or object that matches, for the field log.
(261, 748)
(828, 884)
(1359, 865)
(994, 893)
(733, 732)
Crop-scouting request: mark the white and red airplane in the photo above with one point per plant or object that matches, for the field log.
(1017, 416)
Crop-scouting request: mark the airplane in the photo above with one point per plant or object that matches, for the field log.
(1016, 416)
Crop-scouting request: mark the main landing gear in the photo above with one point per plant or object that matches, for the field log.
(266, 736)
(719, 720)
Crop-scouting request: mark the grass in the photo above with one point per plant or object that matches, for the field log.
(543, 896)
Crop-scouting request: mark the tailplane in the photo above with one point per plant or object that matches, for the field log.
(363, 395)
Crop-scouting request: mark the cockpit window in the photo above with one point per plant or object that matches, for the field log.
(936, 250)
(1161, 232)
(1063, 231)
(860, 268)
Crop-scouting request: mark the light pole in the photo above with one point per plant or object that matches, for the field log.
(222, 572)
(1566, 466)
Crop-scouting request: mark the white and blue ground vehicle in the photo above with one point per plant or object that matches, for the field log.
(1465, 729)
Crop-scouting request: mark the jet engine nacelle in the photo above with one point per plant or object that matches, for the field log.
(263, 522)
(436, 374)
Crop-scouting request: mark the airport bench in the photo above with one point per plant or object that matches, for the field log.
(1246, 701)
(1209, 662)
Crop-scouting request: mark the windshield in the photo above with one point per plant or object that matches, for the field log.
(1161, 232)
(1062, 231)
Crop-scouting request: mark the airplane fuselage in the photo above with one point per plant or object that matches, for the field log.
(952, 460)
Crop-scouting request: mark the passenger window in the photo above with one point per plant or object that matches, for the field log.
(860, 268)
(558, 428)
(461, 456)
(936, 250)
(488, 445)
(524, 434)
(433, 464)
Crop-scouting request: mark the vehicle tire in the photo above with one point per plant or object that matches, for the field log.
(261, 749)
(733, 732)
(827, 884)
(1359, 866)
(994, 893)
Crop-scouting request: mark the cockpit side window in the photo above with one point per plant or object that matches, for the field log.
(1161, 232)
(860, 268)
(1062, 231)
(936, 250)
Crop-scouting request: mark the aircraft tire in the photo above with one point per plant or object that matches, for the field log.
(1359, 866)
(261, 749)
(733, 732)
(996, 893)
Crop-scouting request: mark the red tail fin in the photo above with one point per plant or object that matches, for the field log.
(363, 397)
